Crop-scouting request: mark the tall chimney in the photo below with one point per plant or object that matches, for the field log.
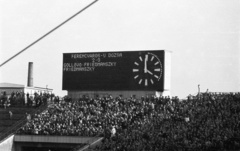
(30, 74)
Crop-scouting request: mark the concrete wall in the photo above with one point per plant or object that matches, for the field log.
(167, 73)
(21, 146)
(125, 94)
(47, 141)
(52, 139)
(7, 144)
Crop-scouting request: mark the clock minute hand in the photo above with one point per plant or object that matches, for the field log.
(145, 64)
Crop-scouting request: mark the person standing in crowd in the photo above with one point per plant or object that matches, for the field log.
(7, 103)
(34, 102)
(10, 115)
(113, 131)
(22, 96)
(28, 117)
(3, 98)
(28, 99)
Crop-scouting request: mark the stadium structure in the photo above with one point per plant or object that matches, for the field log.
(118, 101)
(126, 74)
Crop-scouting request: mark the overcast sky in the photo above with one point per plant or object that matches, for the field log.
(203, 36)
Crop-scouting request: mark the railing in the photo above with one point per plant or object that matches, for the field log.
(89, 146)
(86, 146)
(20, 123)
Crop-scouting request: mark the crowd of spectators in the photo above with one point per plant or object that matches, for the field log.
(208, 121)
(22, 99)
(4, 102)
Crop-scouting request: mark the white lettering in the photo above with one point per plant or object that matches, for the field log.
(114, 55)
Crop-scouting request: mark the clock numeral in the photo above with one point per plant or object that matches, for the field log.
(136, 63)
(136, 77)
(157, 69)
(140, 58)
(156, 76)
(156, 63)
(135, 70)
(152, 58)
(146, 82)
(140, 81)
(152, 81)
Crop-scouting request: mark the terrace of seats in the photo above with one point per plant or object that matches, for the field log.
(19, 115)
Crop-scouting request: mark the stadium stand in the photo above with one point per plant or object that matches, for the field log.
(208, 121)
(14, 113)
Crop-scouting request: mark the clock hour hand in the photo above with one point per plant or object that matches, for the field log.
(149, 72)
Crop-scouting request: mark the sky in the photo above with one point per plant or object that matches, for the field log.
(202, 35)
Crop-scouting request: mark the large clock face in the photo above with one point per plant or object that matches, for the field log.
(147, 69)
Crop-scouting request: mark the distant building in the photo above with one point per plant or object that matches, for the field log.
(12, 87)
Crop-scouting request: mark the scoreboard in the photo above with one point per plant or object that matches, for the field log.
(126, 70)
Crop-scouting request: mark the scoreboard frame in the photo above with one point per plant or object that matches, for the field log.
(142, 70)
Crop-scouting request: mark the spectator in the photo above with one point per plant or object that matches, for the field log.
(10, 115)
(3, 99)
(20, 99)
(28, 117)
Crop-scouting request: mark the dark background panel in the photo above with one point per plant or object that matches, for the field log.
(120, 77)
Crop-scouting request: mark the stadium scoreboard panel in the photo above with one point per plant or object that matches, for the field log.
(126, 70)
